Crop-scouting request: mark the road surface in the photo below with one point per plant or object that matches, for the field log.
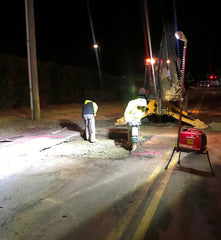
(55, 185)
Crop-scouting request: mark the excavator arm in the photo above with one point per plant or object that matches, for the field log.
(194, 122)
(172, 111)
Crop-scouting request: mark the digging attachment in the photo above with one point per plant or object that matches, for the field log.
(172, 111)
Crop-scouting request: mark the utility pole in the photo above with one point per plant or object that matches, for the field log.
(32, 60)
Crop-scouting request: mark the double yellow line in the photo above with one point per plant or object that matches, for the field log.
(152, 207)
(118, 231)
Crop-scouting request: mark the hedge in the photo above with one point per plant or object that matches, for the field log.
(57, 84)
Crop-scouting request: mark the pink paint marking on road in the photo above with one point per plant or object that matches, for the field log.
(145, 153)
(31, 138)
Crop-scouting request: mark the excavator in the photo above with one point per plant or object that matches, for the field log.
(162, 83)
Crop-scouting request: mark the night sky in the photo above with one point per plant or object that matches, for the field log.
(63, 32)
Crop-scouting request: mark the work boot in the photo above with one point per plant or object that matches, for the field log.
(134, 147)
(93, 140)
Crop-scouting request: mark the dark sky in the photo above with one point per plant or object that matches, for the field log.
(63, 32)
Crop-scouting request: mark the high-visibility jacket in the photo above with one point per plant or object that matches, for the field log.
(133, 112)
(89, 107)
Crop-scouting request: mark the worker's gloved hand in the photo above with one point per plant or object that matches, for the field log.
(128, 120)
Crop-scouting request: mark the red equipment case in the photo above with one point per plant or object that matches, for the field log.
(192, 140)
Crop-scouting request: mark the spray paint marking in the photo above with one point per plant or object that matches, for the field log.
(31, 138)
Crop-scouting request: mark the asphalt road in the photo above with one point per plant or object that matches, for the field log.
(55, 185)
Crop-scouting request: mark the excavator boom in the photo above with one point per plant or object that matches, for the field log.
(167, 74)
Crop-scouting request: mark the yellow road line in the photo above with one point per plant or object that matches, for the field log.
(152, 207)
(118, 230)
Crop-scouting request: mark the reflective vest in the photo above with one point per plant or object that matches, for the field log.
(89, 107)
(132, 112)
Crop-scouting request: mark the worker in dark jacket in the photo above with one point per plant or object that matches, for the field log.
(88, 113)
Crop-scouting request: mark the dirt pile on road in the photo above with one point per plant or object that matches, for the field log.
(103, 149)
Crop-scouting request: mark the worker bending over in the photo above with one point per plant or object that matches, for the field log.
(88, 113)
(133, 114)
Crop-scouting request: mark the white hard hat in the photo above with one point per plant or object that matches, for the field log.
(142, 102)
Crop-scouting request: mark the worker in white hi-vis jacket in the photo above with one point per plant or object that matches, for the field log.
(133, 114)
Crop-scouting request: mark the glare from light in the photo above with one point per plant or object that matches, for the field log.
(95, 46)
(150, 61)
(23, 154)
(177, 35)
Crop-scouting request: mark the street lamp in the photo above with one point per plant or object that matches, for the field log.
(95, 46)
(97, 53)
(180, 36)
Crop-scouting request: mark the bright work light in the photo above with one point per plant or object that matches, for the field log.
(180, 35)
